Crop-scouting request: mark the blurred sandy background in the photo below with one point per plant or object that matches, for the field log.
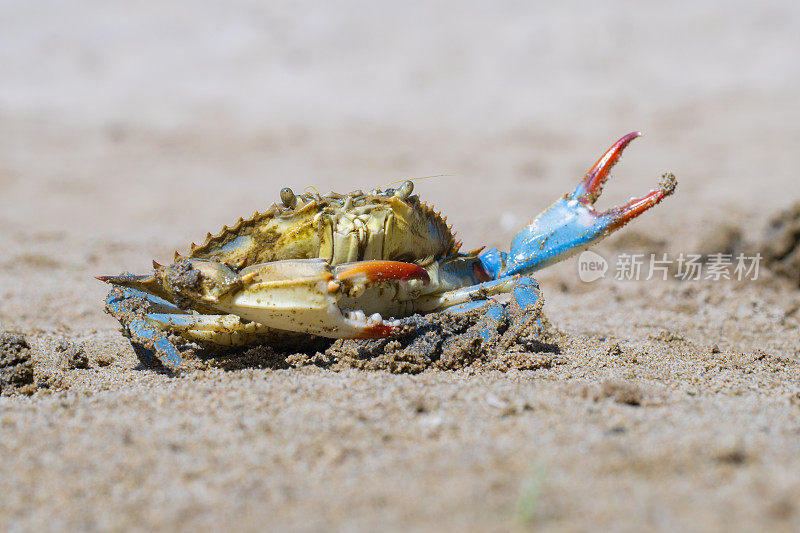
(127, 130)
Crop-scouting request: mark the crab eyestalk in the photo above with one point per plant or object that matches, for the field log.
(571, 224)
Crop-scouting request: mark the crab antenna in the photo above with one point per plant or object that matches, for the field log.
(403, 180)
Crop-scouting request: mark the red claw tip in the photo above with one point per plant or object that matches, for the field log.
(592, 185)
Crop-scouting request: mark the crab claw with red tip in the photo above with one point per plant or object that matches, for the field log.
(589, 189)
(571, 224)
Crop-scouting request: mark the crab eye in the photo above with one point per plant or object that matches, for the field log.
(288, 198)
(405, 189)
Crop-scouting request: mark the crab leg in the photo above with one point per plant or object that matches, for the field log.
(150, 343)
(572, 224)
(463, 299)
(493, 315)
(525, 295)
(222, 330)
(524, 291)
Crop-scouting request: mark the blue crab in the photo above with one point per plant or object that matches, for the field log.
(351, 266)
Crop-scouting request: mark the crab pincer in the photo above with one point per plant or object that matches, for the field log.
(572, 224)
(589, 189)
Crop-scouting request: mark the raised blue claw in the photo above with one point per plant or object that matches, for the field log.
(571, 224)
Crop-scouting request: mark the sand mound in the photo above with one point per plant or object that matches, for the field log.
(16, 367)
(781, 248)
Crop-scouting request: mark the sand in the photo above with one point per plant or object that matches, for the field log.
(127, 132)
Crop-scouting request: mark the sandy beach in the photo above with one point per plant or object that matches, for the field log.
(128, 131)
